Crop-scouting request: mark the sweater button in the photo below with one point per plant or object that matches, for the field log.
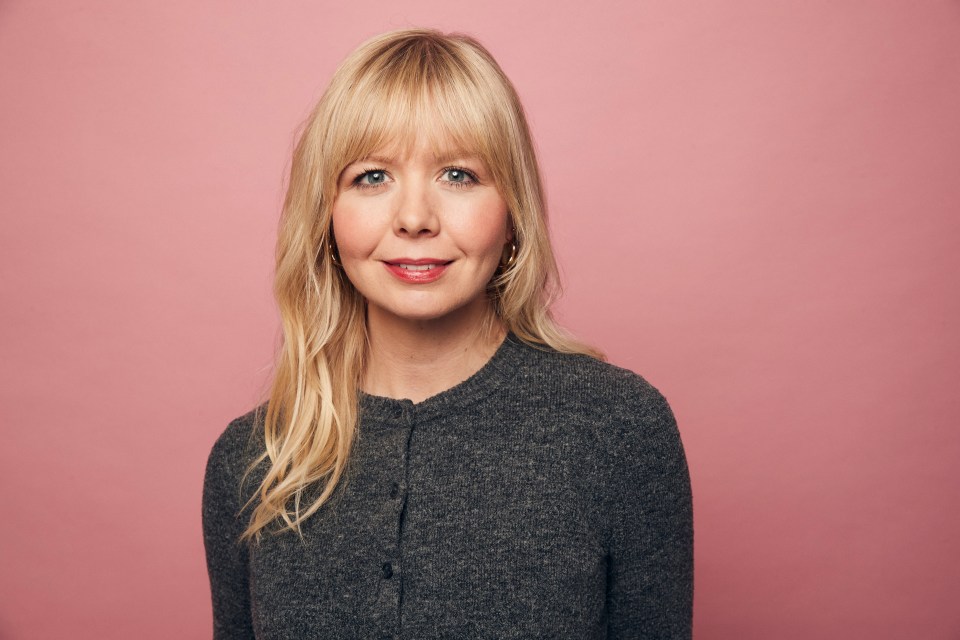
(387, 569)
(394, 490)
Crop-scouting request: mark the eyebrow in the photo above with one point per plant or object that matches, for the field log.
(456, 154)
(443, 158)
(377, 159)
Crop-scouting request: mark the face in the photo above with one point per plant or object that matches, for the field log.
(420, 235)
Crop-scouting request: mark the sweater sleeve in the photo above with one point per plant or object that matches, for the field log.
(222, 526)
(650, 544)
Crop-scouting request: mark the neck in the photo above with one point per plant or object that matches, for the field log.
(416, 359)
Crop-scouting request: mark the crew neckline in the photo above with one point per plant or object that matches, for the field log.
(499, 369)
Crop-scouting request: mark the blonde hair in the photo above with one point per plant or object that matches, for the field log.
(392, 89)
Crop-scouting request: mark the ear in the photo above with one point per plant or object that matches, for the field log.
(511, 228)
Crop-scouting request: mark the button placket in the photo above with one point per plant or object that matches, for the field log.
(400, 419)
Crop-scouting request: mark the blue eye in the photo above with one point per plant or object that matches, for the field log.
(458, 177)
(371, 178)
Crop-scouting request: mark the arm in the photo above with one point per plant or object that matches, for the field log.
(650, 546)
(226, 557)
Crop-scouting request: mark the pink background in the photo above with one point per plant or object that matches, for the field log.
(755, 205)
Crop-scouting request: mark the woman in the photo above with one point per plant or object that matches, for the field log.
(437, 458)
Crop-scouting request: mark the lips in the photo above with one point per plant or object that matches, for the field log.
(417, 271)
(418, 267)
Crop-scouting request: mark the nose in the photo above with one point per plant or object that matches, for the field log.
(416, 214)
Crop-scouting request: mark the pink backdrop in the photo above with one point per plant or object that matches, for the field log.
(755, 205)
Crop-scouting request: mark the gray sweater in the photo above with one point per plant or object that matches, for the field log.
(547, 496)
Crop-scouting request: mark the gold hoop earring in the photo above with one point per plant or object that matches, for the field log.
(334, 258)
(512, 258)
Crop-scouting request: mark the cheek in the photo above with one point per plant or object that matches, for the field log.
(483, 230)
(356, 234)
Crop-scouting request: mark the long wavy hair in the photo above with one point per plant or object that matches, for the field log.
(394, 89)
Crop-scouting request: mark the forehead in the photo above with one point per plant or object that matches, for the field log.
(402, 119)
(417, 138)
(393, 153)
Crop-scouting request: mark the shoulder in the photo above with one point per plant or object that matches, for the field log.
(628, 422)
(625, 423)
(620, 396)
(240, 443)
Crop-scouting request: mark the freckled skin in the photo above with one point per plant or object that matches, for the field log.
(416, 206)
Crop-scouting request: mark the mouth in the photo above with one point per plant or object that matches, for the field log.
(420, 264)
(419, 267)
(417, 271)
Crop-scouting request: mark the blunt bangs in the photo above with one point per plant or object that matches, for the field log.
(421, 92)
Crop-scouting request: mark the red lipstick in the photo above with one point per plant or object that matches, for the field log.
(417, 271)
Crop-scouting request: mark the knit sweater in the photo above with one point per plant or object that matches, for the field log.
(547, 496)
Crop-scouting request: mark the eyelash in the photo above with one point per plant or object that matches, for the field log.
(357, 180)
(471, 178)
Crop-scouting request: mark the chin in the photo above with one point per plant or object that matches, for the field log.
(420, 314)
(424, 309)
